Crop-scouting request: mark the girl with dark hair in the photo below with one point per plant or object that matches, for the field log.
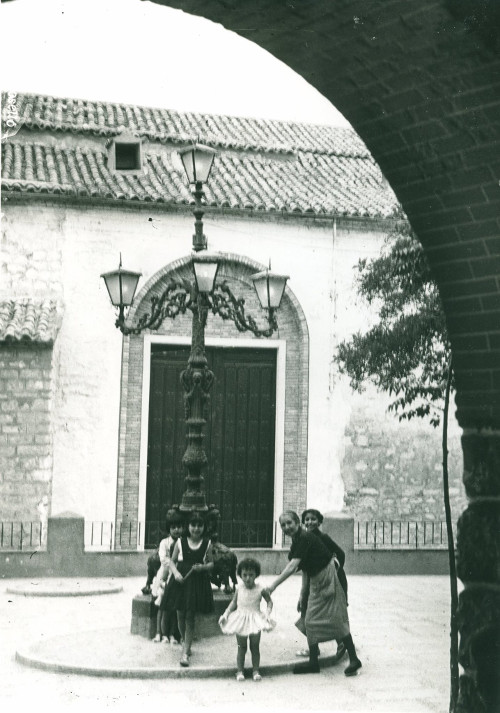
(326, 615)
(244, 618)
(190, 591)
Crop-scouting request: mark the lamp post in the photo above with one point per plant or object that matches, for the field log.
(200, 296)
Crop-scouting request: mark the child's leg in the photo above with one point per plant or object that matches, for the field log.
(189, 632)
(181, 621)
(158, 627)
(242, 650)
(255, 651)
(172, 627)
(164, 624)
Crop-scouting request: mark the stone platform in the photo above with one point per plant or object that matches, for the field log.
(117, 653)
(131, 653)
(144, 613)
(63, 588)
(400, 626)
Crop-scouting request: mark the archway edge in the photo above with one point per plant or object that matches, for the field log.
(423, 92)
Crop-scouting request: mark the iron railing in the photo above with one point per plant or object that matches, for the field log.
(22, 535)
(133, 535)
(130, 534)
(401, 534)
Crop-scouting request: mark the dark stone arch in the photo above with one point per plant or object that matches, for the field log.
(420, 83)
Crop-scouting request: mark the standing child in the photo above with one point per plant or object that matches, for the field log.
(166, 618)
(190, 591)
(244, 618)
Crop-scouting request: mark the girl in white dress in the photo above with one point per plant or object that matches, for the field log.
(244, 618)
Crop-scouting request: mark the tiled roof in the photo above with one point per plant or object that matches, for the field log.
(164, 125)
(278, 166)
(28, 320)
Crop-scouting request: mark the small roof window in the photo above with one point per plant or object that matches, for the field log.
(125, 154)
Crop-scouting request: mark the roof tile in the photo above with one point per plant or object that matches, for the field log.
(165, 125)
(28, 320)
(261, 165)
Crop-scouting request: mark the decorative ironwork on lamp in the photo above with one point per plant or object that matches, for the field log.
(200, 296)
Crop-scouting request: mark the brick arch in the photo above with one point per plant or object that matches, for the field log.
(420, 83)
(424, 94)
(293, 331)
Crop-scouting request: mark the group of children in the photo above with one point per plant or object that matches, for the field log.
(182, 589)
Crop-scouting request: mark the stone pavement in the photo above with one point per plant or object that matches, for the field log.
(400, 626)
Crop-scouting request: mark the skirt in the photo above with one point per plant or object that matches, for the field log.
(326, 615)
(244, 623)
(194, 594)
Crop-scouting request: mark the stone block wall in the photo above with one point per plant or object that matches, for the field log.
(392, 470)
(25, 431)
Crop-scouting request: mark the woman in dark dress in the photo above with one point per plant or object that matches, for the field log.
(326, 615)
(311, 522)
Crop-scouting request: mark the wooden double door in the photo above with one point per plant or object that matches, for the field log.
(239, 441)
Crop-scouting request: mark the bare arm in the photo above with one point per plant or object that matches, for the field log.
(173, 562)
(267, 597)
(305, 584)
(232, 606)
(304, 591)
(290, 569)
(163, 552)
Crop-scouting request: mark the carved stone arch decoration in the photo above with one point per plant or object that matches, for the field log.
(292, 405)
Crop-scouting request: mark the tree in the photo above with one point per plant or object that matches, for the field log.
(406, 353)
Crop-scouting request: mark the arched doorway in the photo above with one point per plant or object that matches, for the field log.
(259, 407)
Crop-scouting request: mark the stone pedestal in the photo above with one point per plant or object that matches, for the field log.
(143, 616)
(144, 613)
(65, 542)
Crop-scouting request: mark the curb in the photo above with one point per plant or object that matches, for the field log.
(170, 671)
(24, 592)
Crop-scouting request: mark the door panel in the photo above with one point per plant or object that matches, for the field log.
(239, 440)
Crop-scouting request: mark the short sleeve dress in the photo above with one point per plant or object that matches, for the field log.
(247, 618)
(195, 592)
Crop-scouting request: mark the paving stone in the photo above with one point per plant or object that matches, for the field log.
(403, 671)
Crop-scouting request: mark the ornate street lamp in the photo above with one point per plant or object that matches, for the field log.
(200, 296)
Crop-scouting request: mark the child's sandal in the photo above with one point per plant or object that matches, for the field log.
(256, 676)
(240, 676)
(157, 639)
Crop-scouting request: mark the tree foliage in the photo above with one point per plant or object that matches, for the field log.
(406, 351)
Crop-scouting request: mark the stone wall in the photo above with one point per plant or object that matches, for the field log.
(392, 470)
(25, 431)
